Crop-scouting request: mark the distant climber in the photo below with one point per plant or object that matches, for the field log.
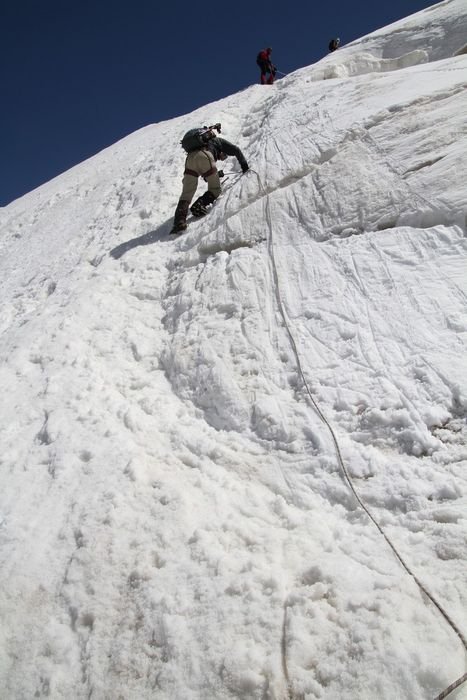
(266, 66)
(204, 148)
(334, 44)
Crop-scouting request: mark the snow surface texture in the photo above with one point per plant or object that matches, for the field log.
(174, 521)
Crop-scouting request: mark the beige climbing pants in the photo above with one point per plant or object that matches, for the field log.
(200, 164)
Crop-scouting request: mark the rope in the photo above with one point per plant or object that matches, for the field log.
(285, 669)
(340, 459)
(452, 687)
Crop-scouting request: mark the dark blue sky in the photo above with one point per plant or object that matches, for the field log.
(77, 76)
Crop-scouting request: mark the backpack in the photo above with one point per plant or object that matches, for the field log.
(196, 139)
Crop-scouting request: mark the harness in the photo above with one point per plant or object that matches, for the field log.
(209, 172)
(205, 175)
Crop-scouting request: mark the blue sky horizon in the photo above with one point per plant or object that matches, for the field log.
(79, 77)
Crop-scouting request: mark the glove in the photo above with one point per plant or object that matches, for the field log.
(245, 167)
(220, 173)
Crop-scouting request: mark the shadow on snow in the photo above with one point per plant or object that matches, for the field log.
(158, 235)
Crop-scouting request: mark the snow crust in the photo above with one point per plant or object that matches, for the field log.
(174, 520)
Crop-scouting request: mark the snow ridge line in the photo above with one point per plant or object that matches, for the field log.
(362, 130)
(462, 679)
(451, 217)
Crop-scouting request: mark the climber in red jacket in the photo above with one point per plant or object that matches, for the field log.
(264, 62)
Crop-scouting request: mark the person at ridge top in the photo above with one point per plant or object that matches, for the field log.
(264, 62)
(334, 44)
(201, 162)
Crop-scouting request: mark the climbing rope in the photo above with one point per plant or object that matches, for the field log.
(340, 459)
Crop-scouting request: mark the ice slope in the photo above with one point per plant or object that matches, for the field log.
(174, 520)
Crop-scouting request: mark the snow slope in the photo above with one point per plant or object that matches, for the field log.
(174, 517)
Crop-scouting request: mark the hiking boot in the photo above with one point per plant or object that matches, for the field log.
(178, 228)
(180, 215)
(200, 207)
